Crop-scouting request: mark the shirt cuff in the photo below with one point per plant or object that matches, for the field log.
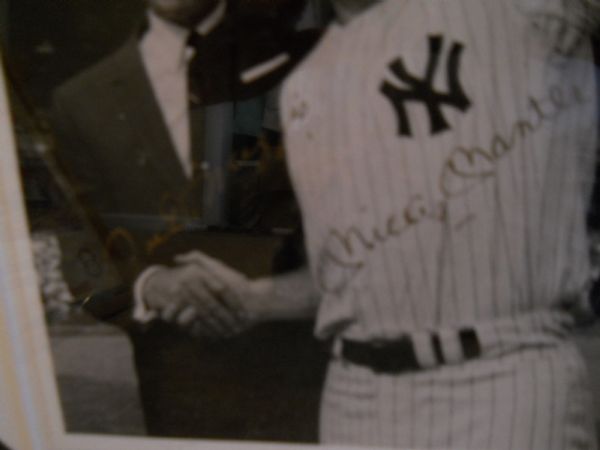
(141, 312)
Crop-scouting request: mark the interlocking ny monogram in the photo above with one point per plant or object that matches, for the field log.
(422, 90)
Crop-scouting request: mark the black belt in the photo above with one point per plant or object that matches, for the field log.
(399, 355)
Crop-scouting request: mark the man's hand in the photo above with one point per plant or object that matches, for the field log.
(189, 296)
(284, 297)
(234, 287)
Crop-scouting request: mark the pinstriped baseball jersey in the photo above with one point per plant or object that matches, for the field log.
(534, 399)
(441, 152)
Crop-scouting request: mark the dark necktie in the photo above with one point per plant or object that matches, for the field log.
(197, 123)
(194, 69)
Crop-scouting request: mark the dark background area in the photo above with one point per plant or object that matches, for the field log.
(51, 40)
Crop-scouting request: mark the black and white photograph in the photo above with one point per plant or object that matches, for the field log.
(299, 223)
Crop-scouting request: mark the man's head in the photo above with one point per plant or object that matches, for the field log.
(186, 13)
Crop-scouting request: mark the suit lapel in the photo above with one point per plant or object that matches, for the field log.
(136, 102)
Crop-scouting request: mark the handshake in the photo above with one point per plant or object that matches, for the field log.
(205, 297)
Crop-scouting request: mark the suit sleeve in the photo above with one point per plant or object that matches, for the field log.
(81, 174)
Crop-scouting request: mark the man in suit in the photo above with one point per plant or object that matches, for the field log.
(155, 142)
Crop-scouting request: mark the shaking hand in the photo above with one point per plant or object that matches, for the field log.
(190, 296)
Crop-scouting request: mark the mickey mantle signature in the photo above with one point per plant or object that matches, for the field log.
(343, 253)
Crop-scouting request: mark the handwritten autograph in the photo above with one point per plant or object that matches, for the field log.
(343, 253)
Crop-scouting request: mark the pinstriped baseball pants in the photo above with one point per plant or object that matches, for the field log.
(530, 399)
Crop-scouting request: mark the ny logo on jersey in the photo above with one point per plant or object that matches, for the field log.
(422, 89)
